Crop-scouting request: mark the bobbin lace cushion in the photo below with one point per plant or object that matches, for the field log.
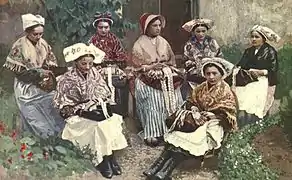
(118, 76)
(155, 82)
(183, 120)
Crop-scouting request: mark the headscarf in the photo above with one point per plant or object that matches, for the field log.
(106, 16)
(29, 20)
(225, 66)
(77, 50)
(146, 18)
(188, 26)
(268, 33)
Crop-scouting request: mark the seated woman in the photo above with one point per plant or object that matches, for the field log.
(214, 104)
(157, 85)
(83, 99)
(255, 89)
(199, 46)
(114, 61)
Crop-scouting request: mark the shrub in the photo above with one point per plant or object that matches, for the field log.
(232, 53)
(238, 159)
(286, 114)
(285, 71)
(35, 158)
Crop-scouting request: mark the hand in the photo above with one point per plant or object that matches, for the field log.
(189, 63)
(208, 115)
(159, 66)
(202, 120)
(257, 72)
(46, 73)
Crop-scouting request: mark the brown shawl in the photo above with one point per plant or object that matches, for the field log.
(219, 99)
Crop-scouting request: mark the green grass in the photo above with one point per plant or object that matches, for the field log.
(8, 110)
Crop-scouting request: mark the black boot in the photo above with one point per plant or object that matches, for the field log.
(105, 168)
(157, 164)
(169, 166)
(114, 165)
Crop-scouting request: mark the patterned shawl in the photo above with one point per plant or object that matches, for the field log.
(75, 90)
(111, 45)
(25, 55)
(219, 99)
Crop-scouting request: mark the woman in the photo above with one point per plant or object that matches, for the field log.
(215, 108)
(30, 58)
(83, 99)
(156, 85)
(197, 47)
(115, 58)
(260, 61)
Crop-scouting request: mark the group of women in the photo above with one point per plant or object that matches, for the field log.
(86, 104)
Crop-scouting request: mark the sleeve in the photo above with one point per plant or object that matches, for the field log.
(243, 61)
(192, 99)
(136, 59)
(273, 67)
(119, 51)
(68, 98)
(171, 56)
(29, 76)
(15, 59)
(215, 48)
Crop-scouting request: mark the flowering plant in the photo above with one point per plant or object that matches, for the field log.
(239, 160)
(40, 159)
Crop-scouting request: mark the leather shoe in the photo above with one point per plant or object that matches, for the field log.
(105, 169)
(115, 166)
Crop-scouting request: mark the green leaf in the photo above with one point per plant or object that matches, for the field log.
(27, 140)
(60, 163)
(61, 150)
(82, 32)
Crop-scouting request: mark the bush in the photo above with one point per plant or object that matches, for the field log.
(286, 114)
(8, 110)
(35, 158)
(70, 21)
(238, 159)
(285, 71)
(232, 53)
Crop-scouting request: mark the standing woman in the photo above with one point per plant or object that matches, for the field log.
(199, 46)
(261, 62)
(30, 59)
(115, 58)
(156, 86)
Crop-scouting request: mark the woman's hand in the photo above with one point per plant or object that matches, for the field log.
(258, 72)
(45, 73)
(189, 63)
(208, 115)
(201, 121)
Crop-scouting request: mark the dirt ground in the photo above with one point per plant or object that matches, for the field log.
(276, 151)
(138, 157)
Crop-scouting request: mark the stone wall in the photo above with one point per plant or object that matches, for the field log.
(233, 19)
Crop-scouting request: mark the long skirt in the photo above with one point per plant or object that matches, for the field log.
(207, 137)
(151, 109)
(102, 137)
(37, 113)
